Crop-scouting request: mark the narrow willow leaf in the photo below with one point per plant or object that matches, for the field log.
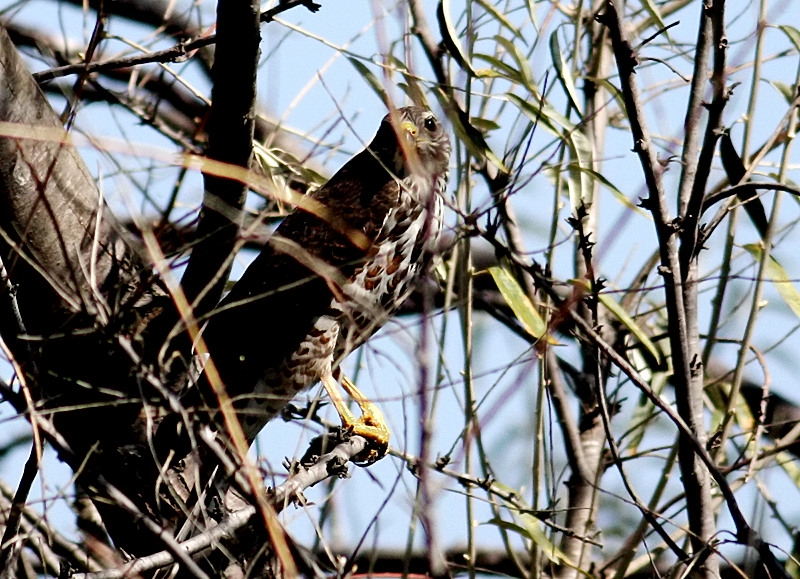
(564, 73)
(614, 91)
(546, 115)
(534, 530)
(618, 195)
(778, 276)
(488, 73)
(492, 10)
(370, 78)
(785, 90)
(531, 5)
(789, 465)
(483, 124)
(735, 170)
(524, 67)
(529, 527)
(619, 312)
(508, 526)
(579, 182)
(477, 145)
(450, 36)
(655, 14)
(793, 34)
(498, 68)
(516, 299)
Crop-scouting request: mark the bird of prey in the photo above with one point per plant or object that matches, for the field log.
(332, 274)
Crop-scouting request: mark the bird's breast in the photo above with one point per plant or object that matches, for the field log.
(400, 256)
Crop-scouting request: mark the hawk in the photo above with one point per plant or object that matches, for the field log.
(333, 273)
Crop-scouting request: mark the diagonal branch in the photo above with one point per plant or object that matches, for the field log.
(59, 243)
(327, 465)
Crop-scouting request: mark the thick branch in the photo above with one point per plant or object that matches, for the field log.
(714, 19)
(681, 303)
(60, 251)
(694, 111)
(230, 141)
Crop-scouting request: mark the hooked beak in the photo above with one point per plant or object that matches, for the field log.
(409, 128)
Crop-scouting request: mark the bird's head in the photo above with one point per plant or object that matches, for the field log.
(424, 144)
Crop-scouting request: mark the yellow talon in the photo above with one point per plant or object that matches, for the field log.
(371, 424)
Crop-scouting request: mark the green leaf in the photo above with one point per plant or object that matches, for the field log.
(778, 276)
(450, 36)
(523, 66)
(613, 90)
(483, 124)
(492, 10)
(371, 79)
(508, 526)
(793, 34)
(529, 527)
(531, 5)
(546, 115)
(498, 69)
(785, 90)
(476, 143)
(579, 182)
(564, 73)
(535, 533)
(516, 299)
(488, 73)
(618, 195)
(651, 8)
(619, 312)
(789, 464)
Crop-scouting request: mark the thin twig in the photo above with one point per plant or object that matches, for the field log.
(329, 464)
(49, 544)
(745, 535)
(13, 547)
(177, 53)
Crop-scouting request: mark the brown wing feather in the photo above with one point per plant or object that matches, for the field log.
(283, 298)
(275, 305)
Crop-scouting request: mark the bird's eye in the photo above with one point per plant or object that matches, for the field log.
(430, 124)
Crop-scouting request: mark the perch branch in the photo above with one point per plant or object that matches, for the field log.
(326, 466)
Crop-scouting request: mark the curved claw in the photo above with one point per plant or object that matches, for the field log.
(371, 424)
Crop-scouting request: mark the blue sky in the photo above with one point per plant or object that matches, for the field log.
(340, 112)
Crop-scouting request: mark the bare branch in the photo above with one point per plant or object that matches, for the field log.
(230, 134)
(51, 208)
(11, 548)
(327, 465)
(681, 301)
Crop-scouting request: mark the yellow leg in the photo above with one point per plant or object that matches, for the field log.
(371, 425)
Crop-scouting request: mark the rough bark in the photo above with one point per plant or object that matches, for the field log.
(74, 290)
(60, 251)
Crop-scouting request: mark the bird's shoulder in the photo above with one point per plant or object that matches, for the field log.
(358, 197)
